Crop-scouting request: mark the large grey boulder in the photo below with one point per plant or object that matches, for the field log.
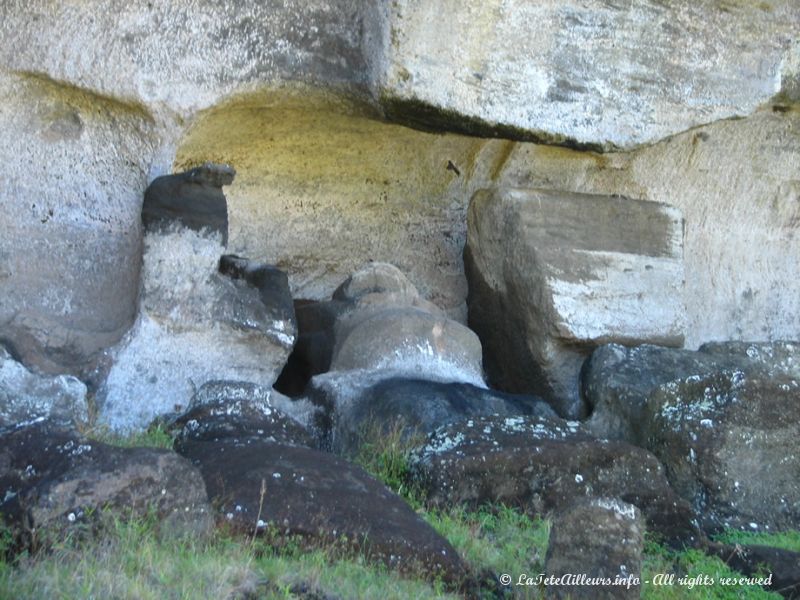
(598, 74)
(723, 421)
(552, 275)
(736, 183)
(118, 49)
(26, 397)
(74, 169)
(377, 328)
(93, 99)
(376, 320)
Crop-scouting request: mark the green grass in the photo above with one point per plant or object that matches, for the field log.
(690, 564)
(788, 540)
(132, 560)
(385, 453)
(155, 436)
(499, 540)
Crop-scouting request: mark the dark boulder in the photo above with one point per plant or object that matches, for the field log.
(53, 480)
(729, 445)
(321, 500)
(417, 406)
(193, 198)
(723, 420)
(779, 567)
(272, 285)
(541, 465)
(238, 410)
(617, 380)
(601, 539)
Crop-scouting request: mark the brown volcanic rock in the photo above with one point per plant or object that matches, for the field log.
(543, 464)
(320, 498)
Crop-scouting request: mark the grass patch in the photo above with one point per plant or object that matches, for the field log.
(132, 562)
(787, 540)
(385, 452)
(496, 539)
(691, 564)
(155, 436)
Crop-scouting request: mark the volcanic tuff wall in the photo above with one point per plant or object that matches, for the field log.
(101, 96)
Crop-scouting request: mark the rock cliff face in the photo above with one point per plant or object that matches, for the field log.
(498, 189)
(100, 97)
(605, 75)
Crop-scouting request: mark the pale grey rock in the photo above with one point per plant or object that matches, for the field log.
(196, 325)
(74, 170)
(410, 340)
(26, 397)
(736, 183)
(185, 56)
(377, 321)
(553, 274)
(600, 74)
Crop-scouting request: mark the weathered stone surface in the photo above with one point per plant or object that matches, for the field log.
(723, 420)
(729, 444)
(592, 73)
(410, 340)
(545, 464)
(601, 538)
(194, 199)
(352, 405)
(736, 184)
(329, 187)
(373, 290)
(773, 360)
(119, 49)
(74, 169)
(553, 274)
(619, 382)
(196, 325)
(376, 326)
(321, 499)
(239, 418)
(53, 479)
(245, 393)
(26, 397)
(27, 454)
(780, 567)
(375, 191)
